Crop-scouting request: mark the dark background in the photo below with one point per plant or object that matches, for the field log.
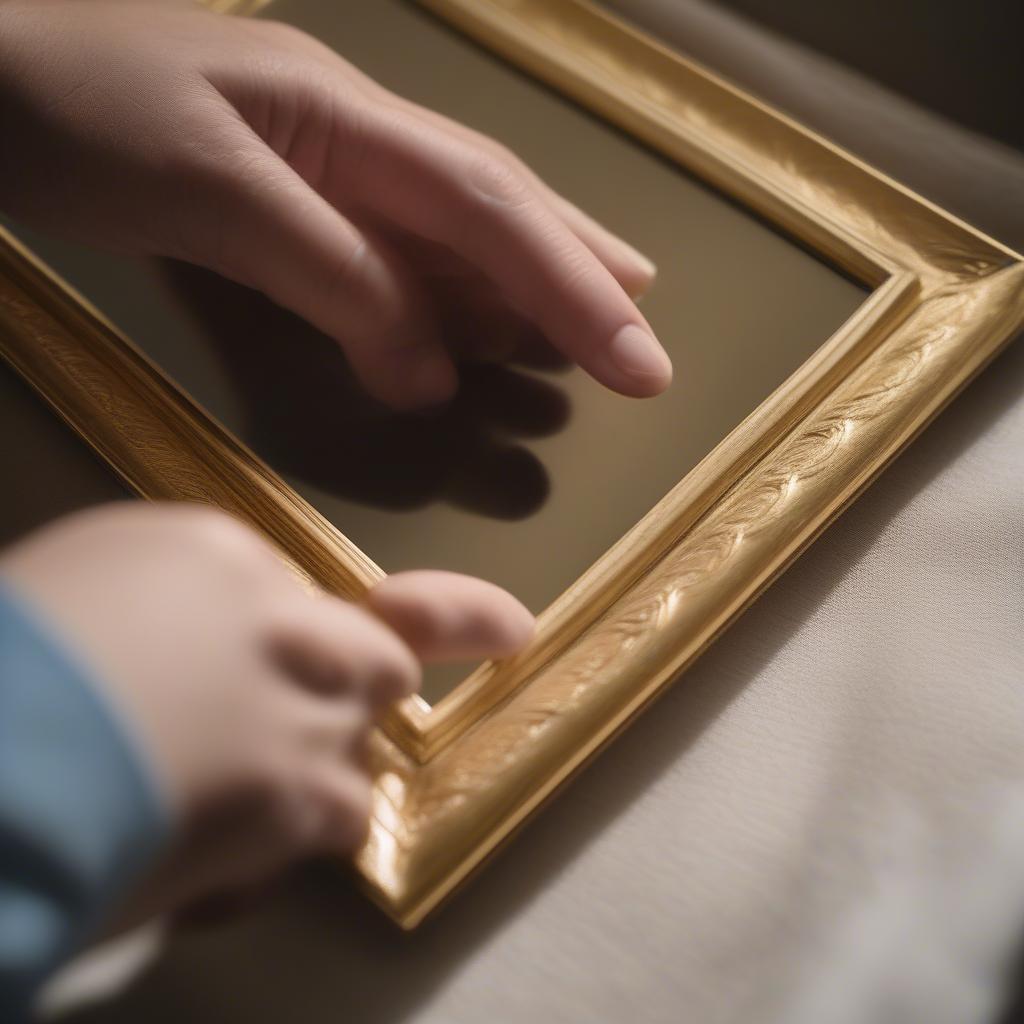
(963, 60)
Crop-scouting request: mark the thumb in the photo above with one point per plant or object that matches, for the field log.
(444, 616)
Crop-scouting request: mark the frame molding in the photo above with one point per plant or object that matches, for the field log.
(454, 781)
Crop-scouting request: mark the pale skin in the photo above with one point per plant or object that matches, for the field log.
(250, 148)
(251, 696)
(154, 127)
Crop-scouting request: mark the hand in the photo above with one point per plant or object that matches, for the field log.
(247, 147)
(251, 698)
(468, 454)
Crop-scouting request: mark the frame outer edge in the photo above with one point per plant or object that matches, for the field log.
(434, 824)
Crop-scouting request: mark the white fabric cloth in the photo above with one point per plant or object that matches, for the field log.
(822, 822)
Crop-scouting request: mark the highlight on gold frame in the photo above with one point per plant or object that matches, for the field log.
(459, 371)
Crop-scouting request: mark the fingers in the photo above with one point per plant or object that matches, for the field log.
(331, 646)
(406, 168)
(281, 237)
(444, 615)
(334, 647)
(336, 727)
(484, 209)
(634, 271)
(346, 796)
(438, 615)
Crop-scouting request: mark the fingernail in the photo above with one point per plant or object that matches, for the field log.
(635, 352)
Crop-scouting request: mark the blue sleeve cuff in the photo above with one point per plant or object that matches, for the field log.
(80, 813)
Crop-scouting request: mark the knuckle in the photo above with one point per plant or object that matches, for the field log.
(501, 153)
(360, 286)
(281, 31)
(346, 272)
(497, 180)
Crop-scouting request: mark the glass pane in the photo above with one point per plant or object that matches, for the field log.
(530, 474)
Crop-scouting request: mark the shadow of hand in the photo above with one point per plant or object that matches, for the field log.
(306, 415)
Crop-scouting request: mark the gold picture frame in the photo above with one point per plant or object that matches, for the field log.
(453, 781)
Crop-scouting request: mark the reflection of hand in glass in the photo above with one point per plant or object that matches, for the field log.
(305, 414)
(249, 148)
